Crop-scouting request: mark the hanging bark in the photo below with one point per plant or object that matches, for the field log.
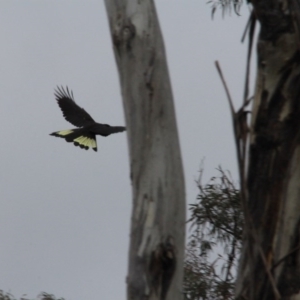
(158, 215)
(270, 263)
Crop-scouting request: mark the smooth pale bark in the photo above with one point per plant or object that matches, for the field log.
(273, 183)
(158, 216)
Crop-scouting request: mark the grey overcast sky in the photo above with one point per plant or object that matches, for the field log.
(65, 212)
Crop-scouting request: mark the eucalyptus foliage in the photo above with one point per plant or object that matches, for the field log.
(226, 6)
(214, 244)
(41, 296)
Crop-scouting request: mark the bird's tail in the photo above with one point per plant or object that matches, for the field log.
(80, 137)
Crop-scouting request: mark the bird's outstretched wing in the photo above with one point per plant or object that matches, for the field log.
(71, 111)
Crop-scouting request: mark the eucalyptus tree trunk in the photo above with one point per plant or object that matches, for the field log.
(158, 215)
(270, 262)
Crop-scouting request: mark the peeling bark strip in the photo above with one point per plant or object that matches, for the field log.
(158, 215)
(273, 183)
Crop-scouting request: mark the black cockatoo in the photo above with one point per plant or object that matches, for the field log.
(85, 135)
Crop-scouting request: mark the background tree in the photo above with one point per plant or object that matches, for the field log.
(41, 296)
(158, 216)
(215, 241)
(268, 156)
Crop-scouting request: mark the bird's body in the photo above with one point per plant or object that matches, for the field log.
(85, 135)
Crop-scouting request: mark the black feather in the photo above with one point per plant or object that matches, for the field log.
(71, 111)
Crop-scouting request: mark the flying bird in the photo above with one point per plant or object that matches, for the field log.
(85, 135)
